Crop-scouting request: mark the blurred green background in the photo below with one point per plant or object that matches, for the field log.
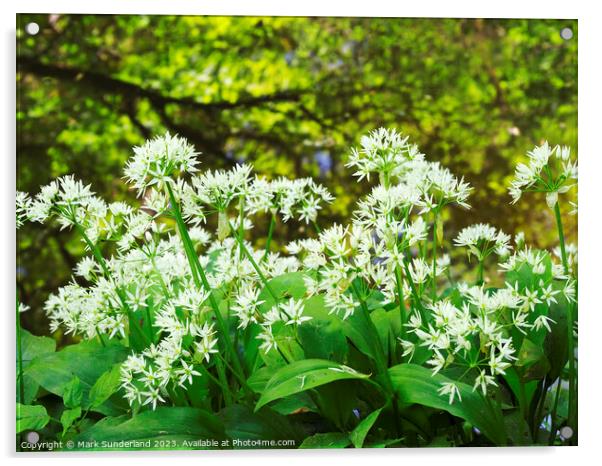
(290, 95)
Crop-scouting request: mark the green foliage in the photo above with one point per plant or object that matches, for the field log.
(358, 436)
(160, 427)
(31, 417)
(74, 371)
(31, 346)
(329, 440)
(416, 384)
(289, 95)
(107, 384)
(304, 375)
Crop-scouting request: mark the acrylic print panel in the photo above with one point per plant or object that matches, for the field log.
(245, 232)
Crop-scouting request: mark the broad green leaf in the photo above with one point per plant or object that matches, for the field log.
(517, 428)
(260, 378)
(387, 324)
(416, 384)
(513, 379)
(31, 346)
(358, 436)
(556, 342)
(107, 384)
(356, 328)
(68, 417)
(329, 440)
(303, 375)
(288, 285)
(532, 362)
(165, 423)
(294, 404)
(87, 360)
(31, 417)
(241, 423)
(322, 337)
(73, 393)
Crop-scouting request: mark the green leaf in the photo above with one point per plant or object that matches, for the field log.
(68, 417)
(514, 381)
(73, 393)
(416, 384)
(288, 285)
(107, 384)
(322, 337)
(31, 417)
(241, 423)
(358, 436)
(303, 375)
(329, 440)
(556, 342)
(356, 328)
(517, 428)
(165, 423)
(31, 346)
(532, 361)
(86, 360)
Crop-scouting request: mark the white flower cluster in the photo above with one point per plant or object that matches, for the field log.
(383, 151)
(482, 239)
(541, 174)
(468, 336)
(150, 289)
(215, 191)
(156, 161)
(22, 206)
(145, 377)
(301, 198)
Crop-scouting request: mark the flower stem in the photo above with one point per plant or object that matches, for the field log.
(553, 425)
(480, 272)
(270, 233)
(120, 294)
(415, 295)
(570, 325)
(402, 306)
(20, 355)
(255, 266)
(241, 224)
(434, 283)
(201, 281)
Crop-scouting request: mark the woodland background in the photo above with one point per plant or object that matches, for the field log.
(291, 96)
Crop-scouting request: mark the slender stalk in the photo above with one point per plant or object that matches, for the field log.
(380, 357)
(434, 283)
(20, 355)
(570, 325)
(553, 414)
(402, 306)
(150, 325)
(381, 362)
(417, 301)
(241, 225)
(201, 281)
(102, 340)
(255, 266)
(522, 400)
(270, 233)
(105, 268)
(480, 271)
